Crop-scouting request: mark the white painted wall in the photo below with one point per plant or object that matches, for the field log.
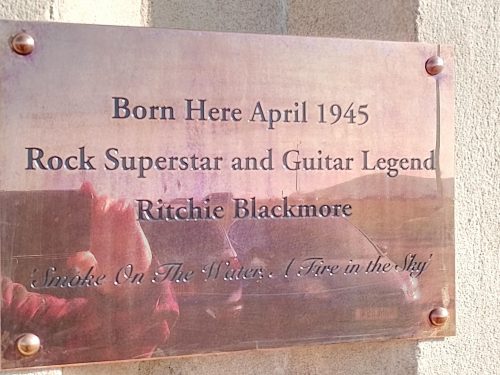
(473, 27)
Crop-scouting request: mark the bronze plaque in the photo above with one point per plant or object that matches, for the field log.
(169, 192)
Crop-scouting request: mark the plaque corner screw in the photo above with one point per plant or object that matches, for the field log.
(23, 43)
(439, 316)
(434, 65)
(28, 344)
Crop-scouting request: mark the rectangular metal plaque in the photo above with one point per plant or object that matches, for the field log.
(171, 192)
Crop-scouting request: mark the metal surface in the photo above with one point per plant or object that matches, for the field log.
(23, 43)
(439, 316)
(28, 344)
(223, 192)
(434, 65)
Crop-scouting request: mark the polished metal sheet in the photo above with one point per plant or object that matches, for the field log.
(169, 192)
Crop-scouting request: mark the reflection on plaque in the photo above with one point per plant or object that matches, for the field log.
(173, 192)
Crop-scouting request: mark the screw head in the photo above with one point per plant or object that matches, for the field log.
(23, 43)
(434, 65)
(439, 316)
(28, 344)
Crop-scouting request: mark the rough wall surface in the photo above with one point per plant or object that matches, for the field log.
(473, 28)
(256, 16)
(36, 10)
(358, 19)
(109, 12)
